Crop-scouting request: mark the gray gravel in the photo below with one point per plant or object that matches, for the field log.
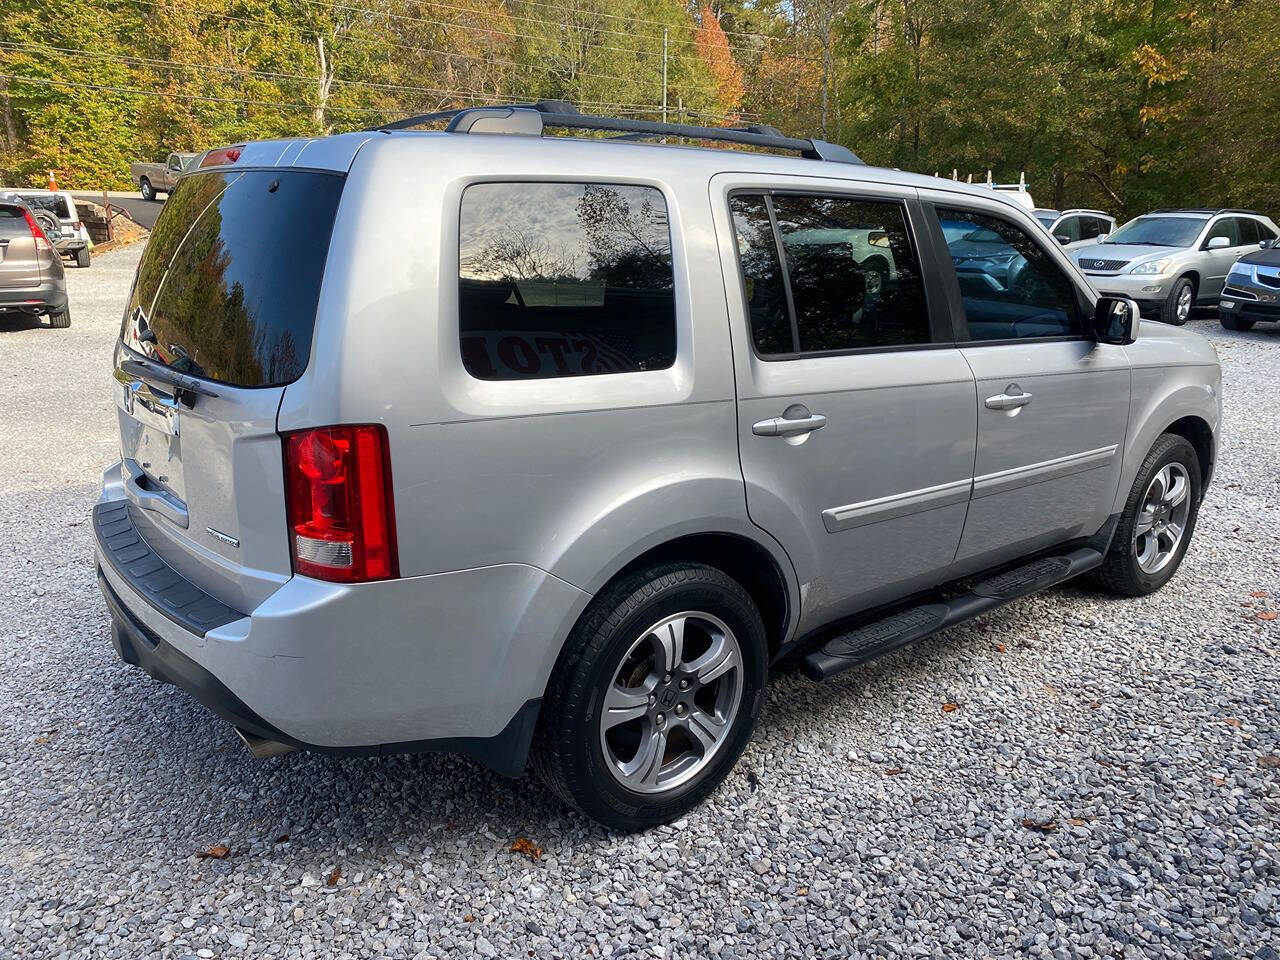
(864, 819)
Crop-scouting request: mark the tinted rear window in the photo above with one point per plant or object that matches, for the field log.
(565, 280)
(228, 287)
(13, 223)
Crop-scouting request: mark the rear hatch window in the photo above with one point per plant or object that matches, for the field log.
(228, 287)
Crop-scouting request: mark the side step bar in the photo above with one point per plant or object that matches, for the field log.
(872, 640)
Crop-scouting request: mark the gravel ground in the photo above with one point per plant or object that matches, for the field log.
(1105, 784)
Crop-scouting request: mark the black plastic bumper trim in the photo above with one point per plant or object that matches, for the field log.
(506, 753)
(129, 555)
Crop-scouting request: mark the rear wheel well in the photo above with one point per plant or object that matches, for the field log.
(745, 560)
(1197, 433)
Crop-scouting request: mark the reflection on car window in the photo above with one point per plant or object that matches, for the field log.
(564, 280)
(217, 294)
(854, 278)
(762, 275)
(1159, 231)
(1010, 286)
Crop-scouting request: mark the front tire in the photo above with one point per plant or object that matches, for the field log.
(1157, 523)
(1230, 321)
(1177, 307)
(654, 696)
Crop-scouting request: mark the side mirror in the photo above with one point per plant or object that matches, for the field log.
(1218, 243)
(1064, 240)
(1115, 320)
(1100, 237)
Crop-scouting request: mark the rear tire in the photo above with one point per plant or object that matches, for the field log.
(1230, 321)
(615, 652)
(60, 321)
(82, 257)
(1133, 566)
(1177, 307)
(148, 191)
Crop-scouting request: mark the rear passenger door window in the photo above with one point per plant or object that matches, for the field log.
(827, 274)
(1248, 232)
(1010, 286)
(564, 280)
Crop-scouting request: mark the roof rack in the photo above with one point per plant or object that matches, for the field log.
(530, 119)
(1208, 210)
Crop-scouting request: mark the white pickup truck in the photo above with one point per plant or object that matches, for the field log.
(153, 178)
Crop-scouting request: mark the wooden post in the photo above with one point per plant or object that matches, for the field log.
(106, 204)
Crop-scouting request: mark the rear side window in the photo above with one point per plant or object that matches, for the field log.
(564, 280)
(1248, 231)
(228, 287)
(838, 274)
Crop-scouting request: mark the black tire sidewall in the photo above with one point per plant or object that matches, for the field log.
(147, 190)
(1234, 323)
(1168, 449)
(607, 799)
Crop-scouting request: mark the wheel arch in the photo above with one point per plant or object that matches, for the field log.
(1197, 432)
(742, 558)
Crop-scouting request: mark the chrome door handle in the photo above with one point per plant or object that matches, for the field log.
(782, 427)
(1008, 401)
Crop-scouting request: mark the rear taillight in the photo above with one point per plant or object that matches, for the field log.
(42, 242)
(341, 514)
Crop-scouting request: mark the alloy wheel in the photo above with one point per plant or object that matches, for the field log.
(1184, 304)
(1162, 517)
(671, 702)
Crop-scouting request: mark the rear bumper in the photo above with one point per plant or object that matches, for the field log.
(453, 662)
(50, 295)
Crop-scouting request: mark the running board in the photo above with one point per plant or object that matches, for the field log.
(872, 640)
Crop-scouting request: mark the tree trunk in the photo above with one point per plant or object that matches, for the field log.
(323, 85)
(10, 134)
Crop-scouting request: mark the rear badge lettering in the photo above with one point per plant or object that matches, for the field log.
(224, 537)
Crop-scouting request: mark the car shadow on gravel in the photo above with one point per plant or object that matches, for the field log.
(12, 323)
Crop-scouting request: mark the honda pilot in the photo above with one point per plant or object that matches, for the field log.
(543, 446)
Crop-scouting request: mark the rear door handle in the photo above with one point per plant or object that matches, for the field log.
(1008, 401)
(136, 486)
(783, 427)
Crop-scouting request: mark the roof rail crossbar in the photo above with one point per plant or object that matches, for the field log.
(531, 119)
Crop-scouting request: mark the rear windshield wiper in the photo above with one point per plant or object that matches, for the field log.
(186, 386)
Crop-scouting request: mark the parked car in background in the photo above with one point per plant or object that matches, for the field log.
(561, 486)
(1171, 260)
(55, 211)
(1080, 227)
(32, 282)
(154, 178)
(1046, 216)
(1252, 291)
(1016, 192)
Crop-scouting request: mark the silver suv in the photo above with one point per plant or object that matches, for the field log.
(1171, 260)
(545, 449)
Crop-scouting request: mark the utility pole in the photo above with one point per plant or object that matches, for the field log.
(664, 74)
